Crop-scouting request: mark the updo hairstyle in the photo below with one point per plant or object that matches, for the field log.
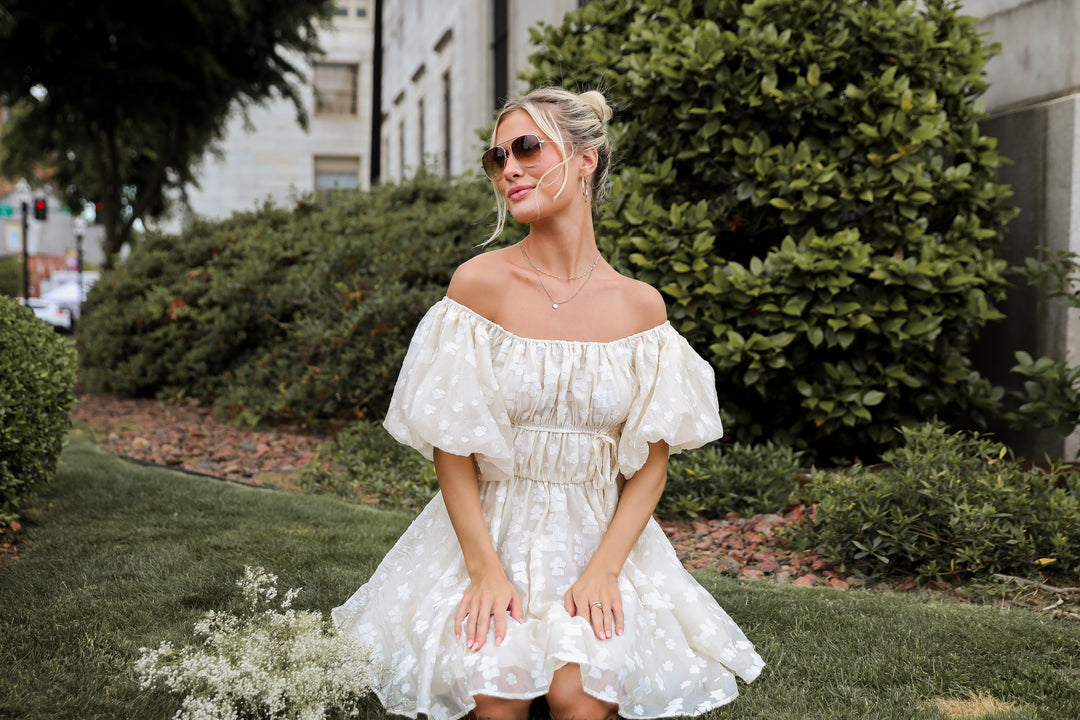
(577, 121)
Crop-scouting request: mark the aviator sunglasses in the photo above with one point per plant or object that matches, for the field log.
(526, 150)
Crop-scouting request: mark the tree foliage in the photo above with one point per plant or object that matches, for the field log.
(806, 183)
(122, 99)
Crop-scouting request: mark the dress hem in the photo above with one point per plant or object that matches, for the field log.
(542, 693)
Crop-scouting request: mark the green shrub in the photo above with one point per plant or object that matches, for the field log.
(363, 464)
(297, 315)
(11, 282)
(37, 380)
(947, 504)
(806, 182)
(1050, 394)
(736, 478)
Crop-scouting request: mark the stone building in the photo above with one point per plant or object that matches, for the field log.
(443, 67)
(268, 156)
(447, 66)
(1034, 112)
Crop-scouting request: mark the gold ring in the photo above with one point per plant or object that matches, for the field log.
(598, 605)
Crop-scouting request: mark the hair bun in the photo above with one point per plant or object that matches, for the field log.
(595, 100)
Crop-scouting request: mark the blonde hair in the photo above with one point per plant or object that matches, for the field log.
(570, 119)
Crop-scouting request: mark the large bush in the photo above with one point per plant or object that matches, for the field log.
(806, 183)
(37, 380)
(294, 314)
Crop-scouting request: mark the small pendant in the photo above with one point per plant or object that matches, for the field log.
(555, 305)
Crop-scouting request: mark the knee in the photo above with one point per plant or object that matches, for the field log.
(567, 700)
(492, 708)
(580, 706)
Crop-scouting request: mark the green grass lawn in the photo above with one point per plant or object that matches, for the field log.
(121, 556)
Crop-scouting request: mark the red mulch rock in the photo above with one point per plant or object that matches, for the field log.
(190, 436)
(752, 547)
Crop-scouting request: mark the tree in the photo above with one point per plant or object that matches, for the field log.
(806, 182)
(121, 99)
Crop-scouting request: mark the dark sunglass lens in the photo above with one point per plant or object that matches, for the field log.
(493, 160)
(526, 149)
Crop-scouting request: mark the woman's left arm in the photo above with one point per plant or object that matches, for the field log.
(599, 581)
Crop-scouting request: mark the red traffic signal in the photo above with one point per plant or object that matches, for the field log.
(41, 209)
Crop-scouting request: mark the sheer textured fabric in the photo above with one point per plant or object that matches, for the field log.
(554, 427)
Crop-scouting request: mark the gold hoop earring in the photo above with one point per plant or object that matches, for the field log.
(585, 188)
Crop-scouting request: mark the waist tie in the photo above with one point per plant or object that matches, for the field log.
(602, 460)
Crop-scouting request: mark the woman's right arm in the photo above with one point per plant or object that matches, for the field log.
(490, 593)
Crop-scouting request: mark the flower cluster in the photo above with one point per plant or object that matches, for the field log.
(267, 662)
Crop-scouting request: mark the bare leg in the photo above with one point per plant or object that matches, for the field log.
(569, 701)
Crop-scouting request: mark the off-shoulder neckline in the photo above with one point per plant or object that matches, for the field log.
(491, 323)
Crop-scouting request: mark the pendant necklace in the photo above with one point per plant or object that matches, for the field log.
(556, 303)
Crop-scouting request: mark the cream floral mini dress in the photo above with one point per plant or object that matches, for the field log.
(554, 426)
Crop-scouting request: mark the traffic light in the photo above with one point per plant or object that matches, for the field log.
(41, 208)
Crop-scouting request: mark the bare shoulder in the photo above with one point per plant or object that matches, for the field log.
(644, 302)
(480, 283)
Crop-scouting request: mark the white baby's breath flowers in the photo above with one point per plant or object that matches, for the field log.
(269, 662)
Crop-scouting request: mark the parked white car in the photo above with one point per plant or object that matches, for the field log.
(51, 312)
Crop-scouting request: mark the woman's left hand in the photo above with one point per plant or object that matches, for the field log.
(595, 597)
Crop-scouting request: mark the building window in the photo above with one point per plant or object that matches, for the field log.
(401, 149)
(446, 135)
(337, 173)
(344, 8)
(336, 88)
(420, 128)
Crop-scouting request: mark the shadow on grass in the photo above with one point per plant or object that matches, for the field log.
(121, 556)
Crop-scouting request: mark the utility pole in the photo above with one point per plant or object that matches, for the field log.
(80, 230)
(25, 251)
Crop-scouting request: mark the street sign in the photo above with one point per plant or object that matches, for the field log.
(7, 211)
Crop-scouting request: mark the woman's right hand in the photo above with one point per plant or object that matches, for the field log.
(489, 595)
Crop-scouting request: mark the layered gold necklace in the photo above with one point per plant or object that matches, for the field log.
(556, 303)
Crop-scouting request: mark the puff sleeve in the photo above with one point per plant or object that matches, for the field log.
(447, 394)
(675, 400)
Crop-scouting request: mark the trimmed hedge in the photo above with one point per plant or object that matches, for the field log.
(298, 315)
(806, 183)
(948, 503)
(723, 478)
(11, 282)
(37, 391)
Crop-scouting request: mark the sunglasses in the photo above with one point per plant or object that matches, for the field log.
(526, 150)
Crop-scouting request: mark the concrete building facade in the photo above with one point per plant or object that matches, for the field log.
(1034, 112)
(444, 67)
(448, 65)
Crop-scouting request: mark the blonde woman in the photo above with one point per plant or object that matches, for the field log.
(549, 390)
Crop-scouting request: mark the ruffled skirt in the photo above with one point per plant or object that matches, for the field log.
(679, 655)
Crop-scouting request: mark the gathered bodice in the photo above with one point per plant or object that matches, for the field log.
(557, 411)
(566, 403)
